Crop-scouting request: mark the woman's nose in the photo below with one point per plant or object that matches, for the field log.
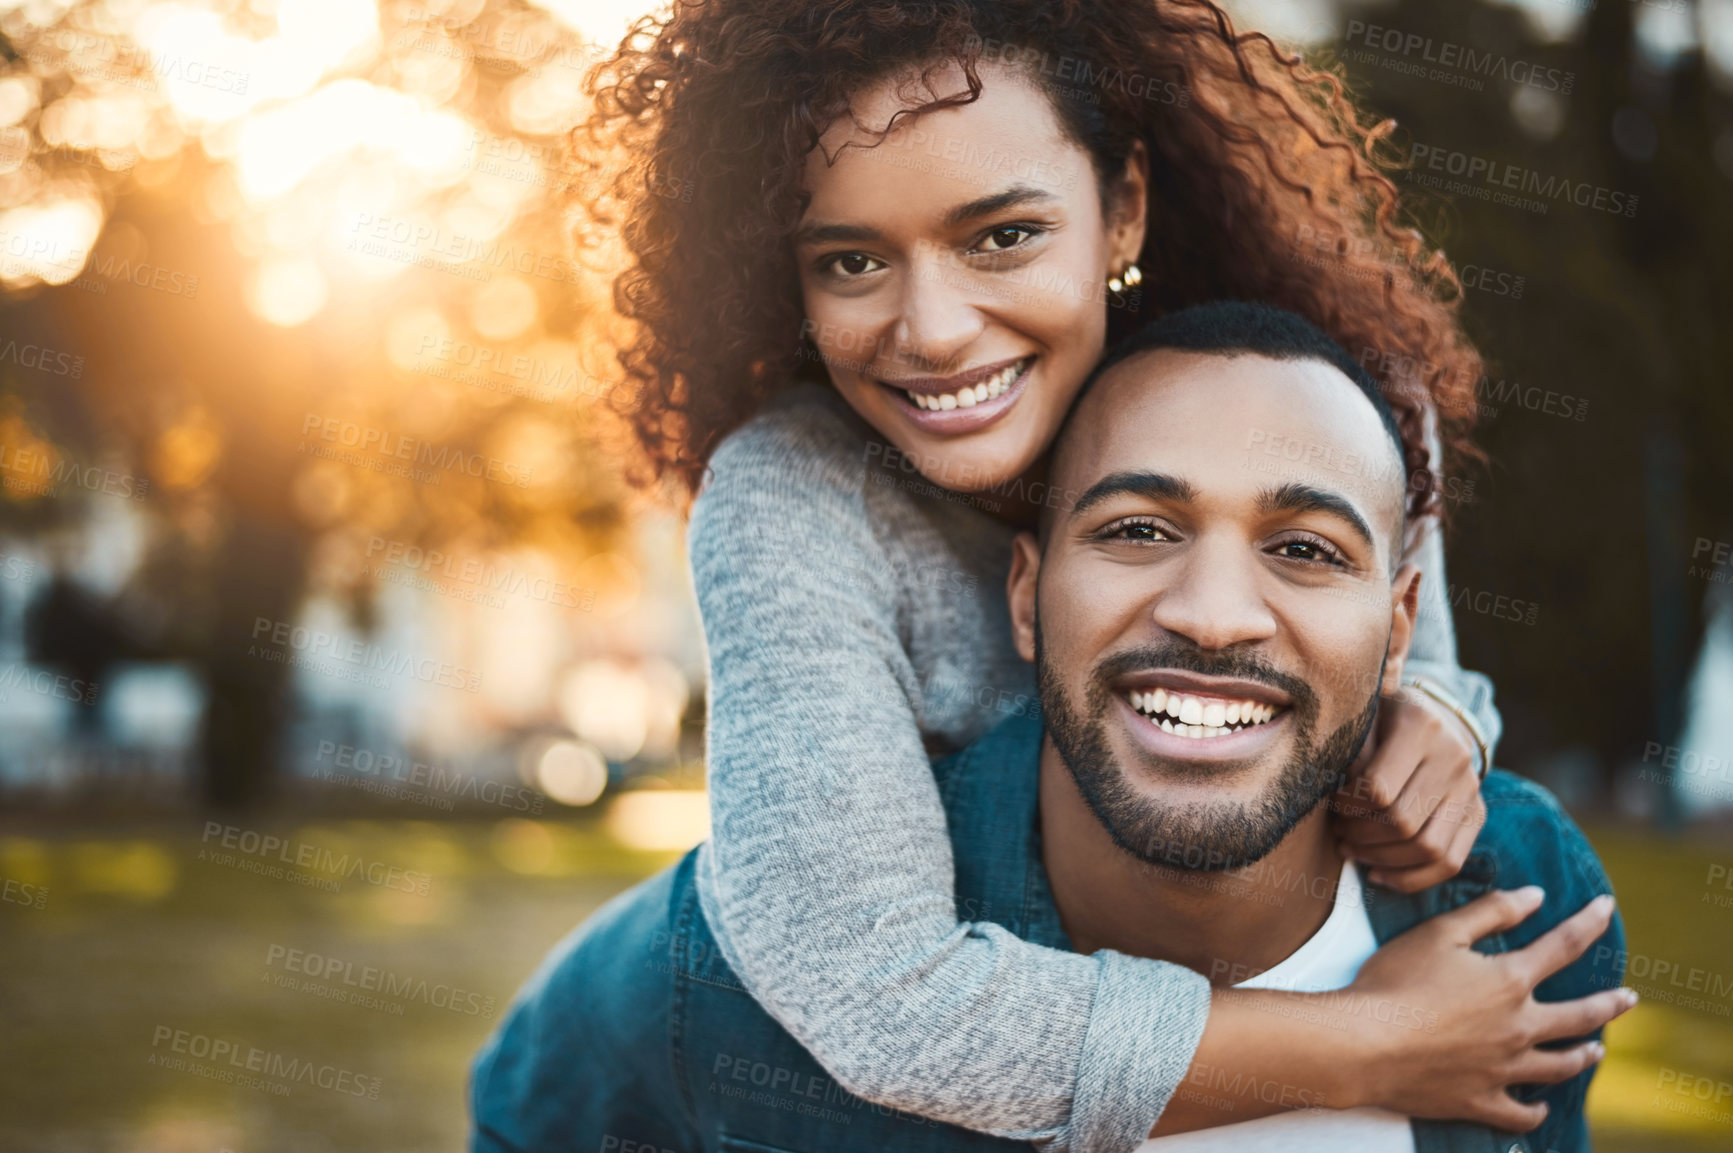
(938, 320)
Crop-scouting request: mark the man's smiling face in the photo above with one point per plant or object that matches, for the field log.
(1213, 623)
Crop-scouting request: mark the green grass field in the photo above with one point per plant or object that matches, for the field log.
(148, 936)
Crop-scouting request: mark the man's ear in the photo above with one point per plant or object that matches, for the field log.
(1404, 611)
(1020, 590)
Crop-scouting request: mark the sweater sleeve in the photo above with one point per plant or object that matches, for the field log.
(828, 879)
(1432, 653)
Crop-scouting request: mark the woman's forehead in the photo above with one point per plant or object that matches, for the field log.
(1008, 135)
(1010, 105)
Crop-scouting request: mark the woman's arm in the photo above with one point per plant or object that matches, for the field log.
(829, 881)
(1432, 652)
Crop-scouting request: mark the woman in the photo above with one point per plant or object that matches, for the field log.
(913, 228)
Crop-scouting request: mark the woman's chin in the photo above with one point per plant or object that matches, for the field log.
(985, 462)
(981, 464)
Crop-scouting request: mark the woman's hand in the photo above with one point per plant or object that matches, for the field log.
(1410, 813)
(1429, 1028)
(1481, 1023)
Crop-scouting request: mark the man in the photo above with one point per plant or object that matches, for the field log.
(1211, 641)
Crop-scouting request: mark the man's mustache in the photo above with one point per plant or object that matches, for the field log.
(1179, 656)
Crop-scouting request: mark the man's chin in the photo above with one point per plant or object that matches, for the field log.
(1200, 815)
(1193, 840)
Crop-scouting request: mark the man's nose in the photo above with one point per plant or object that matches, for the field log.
(1215, 597)
(937, 320)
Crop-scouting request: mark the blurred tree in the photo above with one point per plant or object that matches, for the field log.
(1591, 518)
(311, 261)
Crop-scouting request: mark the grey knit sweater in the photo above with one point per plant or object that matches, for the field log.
(856, 622)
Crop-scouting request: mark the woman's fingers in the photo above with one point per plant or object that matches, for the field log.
(1438, 867)
(1432, 842)
(1367, 798)
(1563, 943)
(1502, 1111)
(1416, 877)
(1498, 910)
(1394, 797)
(1550, 1066)
(1559, 1019)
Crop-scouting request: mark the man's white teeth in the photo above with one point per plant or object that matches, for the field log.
(1194, 717)
(986, 390)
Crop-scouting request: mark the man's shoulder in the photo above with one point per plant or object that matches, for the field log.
(584, 1045)
(1014, 741)
(1529, 839)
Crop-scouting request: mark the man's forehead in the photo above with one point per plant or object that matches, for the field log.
(1244, 420)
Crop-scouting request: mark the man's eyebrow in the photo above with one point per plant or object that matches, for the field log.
(1294, 497)
(1156, 485)
(822, 232)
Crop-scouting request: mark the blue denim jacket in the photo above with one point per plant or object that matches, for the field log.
(635, 1037)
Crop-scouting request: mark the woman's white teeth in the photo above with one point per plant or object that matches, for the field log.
(986, 390)
(1195, 717)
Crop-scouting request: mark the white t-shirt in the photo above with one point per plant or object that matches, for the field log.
(1328, 960)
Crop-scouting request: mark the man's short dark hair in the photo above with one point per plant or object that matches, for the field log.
(1238, 327)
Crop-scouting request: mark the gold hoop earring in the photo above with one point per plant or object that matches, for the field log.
(1130, 278)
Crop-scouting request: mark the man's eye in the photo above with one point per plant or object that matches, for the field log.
(852, 264)
(1137, 531)
(1008, 236)
(1315, 552)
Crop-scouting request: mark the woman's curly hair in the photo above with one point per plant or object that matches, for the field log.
(1266, 184)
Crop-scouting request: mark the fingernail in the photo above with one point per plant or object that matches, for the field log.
(1532, 892)
(1630, 996)
(1597, 1050)
(1604, 901)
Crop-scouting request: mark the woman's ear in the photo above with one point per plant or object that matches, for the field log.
(1404, 611)
(1020, 589)
(1128, 209)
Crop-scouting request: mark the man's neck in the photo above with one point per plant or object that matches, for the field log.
(1229, 926)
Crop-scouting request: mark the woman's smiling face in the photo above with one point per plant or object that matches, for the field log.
(954, 272)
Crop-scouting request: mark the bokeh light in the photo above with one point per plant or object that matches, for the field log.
(572, 773)
(660, 820)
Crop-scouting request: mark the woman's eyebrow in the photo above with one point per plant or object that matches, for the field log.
(1013, 197)
(823, 232)
(818, 232)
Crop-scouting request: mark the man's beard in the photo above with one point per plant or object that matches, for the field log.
(1202, 837)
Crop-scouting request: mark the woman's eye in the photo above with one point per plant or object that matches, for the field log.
(853, 264)
(1009, 236)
